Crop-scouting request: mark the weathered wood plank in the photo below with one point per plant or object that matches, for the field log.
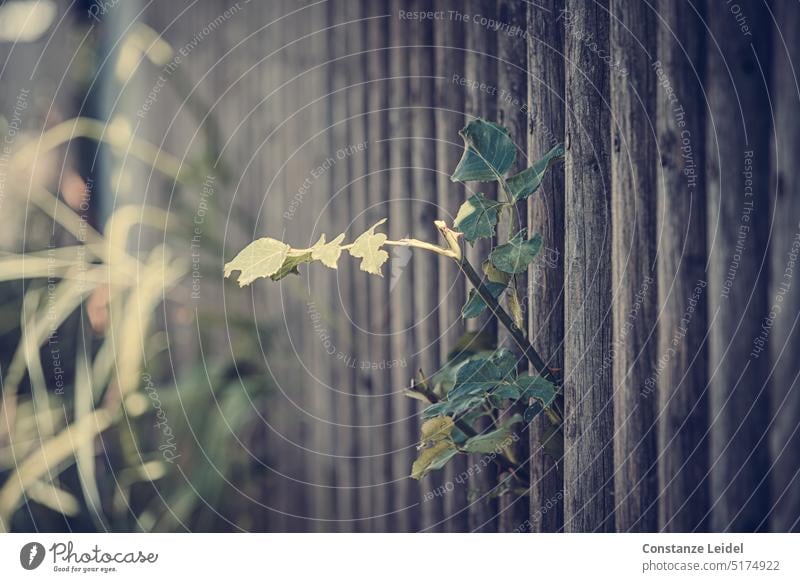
(737, 178)
(405, 432)
(784, 294)
(340, 208)
(423, 201)
(380, 341)
(546, 276)
(512, 100)
(449, 63)
(359, 215)
(588, 387)
(634, 303)
(320, 281)
(682, 294)
(481, 68)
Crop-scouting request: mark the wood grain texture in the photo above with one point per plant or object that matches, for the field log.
(380, 354)
(546, 277)
(424, 211)
(681, 386)
(737, 178)
(449, 65)
(319, 282)
(784, 294)
(588, 387)
(481, 67)
(634, 287)
(405, 433)
(360, 221)
(512, 101)
(340, 208)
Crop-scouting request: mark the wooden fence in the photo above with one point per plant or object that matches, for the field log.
(664, 292)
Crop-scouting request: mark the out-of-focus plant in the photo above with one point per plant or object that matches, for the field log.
(112, 393)
(471, 385)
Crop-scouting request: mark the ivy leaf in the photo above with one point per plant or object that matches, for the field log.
(516, 254)
(538, 388)
(328, 253)
(480, 375)
(506, 392)
(433, 458)
(454, 407)
(368, 248)
(436, 429)
(488, 153)
(506, 363)
(475, 304)
(528, 181)
(261, 258)
(493, 274)
(491, 442)
(475, 378)
(477, 217)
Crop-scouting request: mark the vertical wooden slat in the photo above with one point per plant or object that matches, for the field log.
(341, 206)
(737, 177)
(449, 59)
(277, 198)
(404, 423)
(380, 344)
(784, 293)
(358, 133)
(588, 389)
(423, 202)
(481, 68)
(296, 299)
(512, 100)
(634, 303)
(680, 387)
(319, 281)
(546, 276)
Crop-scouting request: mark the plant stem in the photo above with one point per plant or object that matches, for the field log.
(505, 319)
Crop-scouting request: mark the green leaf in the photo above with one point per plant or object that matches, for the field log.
(454, 407)
(528, 181)
(488, 153)
(328, 253)
(477, 217)
(475, 304)
(491, 442)
(368, 248)
(516, 254)
(493, 274)
(433, 458)
(261, 258)
(538, 388)
(506, 363)
(436, 429)
(506, 392)
(480, 375)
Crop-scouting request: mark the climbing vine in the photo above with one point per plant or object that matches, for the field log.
(474, 383)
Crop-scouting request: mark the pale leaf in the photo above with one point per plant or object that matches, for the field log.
(368, 248)
(261, 258)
